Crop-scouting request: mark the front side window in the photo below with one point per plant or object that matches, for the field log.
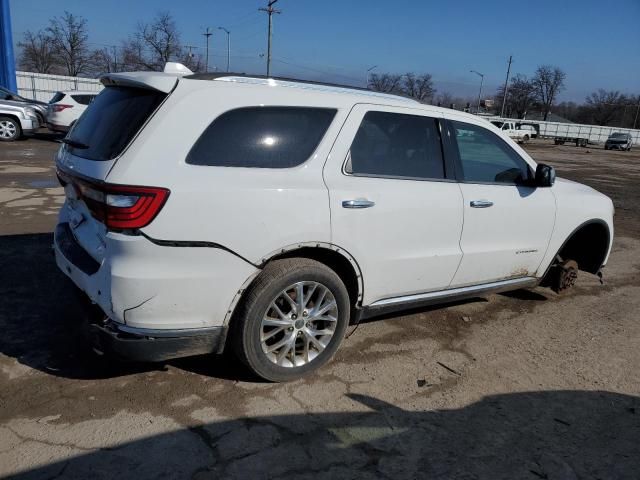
(397, 145)
(486, 158)
(262, 137)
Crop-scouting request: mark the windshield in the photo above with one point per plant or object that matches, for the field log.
(111, 121)
(618, 135)
(498, 124)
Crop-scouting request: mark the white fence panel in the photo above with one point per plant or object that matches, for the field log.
(42, 86)
(594, 133)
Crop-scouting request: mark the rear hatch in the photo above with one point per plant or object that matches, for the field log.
(91, 149)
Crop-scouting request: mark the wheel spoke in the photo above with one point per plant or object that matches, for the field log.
(290, 345)
(315, 342)
(316, 333)
(275, 306)
(312, 290)
(277, 345)
(270, 334)
(274, 322)
(300, 297)
(292, 304)
(324, 309)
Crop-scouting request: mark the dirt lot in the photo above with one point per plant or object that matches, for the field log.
(513, 386)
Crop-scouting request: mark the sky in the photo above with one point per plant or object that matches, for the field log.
(596, 43)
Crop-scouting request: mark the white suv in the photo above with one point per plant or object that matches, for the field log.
(66, 107)
(267, 215)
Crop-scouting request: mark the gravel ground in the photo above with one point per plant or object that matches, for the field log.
(521, 385)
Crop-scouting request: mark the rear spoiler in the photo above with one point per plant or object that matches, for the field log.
(163, 82)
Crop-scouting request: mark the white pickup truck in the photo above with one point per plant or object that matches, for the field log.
(510, 129)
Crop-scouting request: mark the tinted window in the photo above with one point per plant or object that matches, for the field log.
(57, 97)
(397, 145)
(112, 120)
(83, 99)
(485, 157)
(262, 137)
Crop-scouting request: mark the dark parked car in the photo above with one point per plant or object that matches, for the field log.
(618, 141)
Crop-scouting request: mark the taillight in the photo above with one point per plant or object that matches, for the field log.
(58, 107)
(119, 207)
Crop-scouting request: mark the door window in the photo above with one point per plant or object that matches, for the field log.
(486, 158)
(397, 145)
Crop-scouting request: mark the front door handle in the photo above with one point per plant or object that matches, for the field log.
(360, 203)
(481, 204)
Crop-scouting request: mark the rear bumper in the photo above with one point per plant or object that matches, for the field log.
(57, 128)
(143, 345)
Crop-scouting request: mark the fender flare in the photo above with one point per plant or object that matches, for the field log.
(288, 249)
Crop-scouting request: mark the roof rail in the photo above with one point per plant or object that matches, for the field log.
(264, 80)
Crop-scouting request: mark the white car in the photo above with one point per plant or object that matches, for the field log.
(521, 135)
(267, 215)
(66, 107)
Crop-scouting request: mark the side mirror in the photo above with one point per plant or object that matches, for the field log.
(545, 175)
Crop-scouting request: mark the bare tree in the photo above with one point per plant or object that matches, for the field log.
(103, 61)
(385, 82)
(604, 105)
(419, 87)
(548, 81)
(155, 43)
(444, 99)
(69, 41)
(37, 54)
(521, 95)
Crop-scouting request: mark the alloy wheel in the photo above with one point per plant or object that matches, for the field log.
(298, 324)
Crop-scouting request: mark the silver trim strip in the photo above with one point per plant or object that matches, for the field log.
(159, 332)
(454, 292)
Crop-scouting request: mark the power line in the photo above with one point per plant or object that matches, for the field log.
(270, 11)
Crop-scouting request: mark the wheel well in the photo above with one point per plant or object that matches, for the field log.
(588, 246)
(12, 117)
(335, 261)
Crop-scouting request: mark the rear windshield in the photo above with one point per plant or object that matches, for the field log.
(57, 97)
(83, 99)
(112, 120)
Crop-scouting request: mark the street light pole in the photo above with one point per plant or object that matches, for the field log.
(228, 45)
(480, 92)
(366, 83)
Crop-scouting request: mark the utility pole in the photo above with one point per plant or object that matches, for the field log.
(480, 92)
(637, 111)
(207, 34)
(270, 10)
(115, 58)
(506, 86)
(190, 54)
(228, 45)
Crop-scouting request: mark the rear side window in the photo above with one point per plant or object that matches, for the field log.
(83, 99)
(262, 137)
(57, 97)
(397, 145)
(112, 120)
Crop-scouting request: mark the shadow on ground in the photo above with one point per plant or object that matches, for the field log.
(536, 435)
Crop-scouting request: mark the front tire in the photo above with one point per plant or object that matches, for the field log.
(291, 320)
(9, 129)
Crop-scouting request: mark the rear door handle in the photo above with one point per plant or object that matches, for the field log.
(481, 204)
(361, 203)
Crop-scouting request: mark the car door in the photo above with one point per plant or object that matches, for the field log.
(507, 221)
(395, 206)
